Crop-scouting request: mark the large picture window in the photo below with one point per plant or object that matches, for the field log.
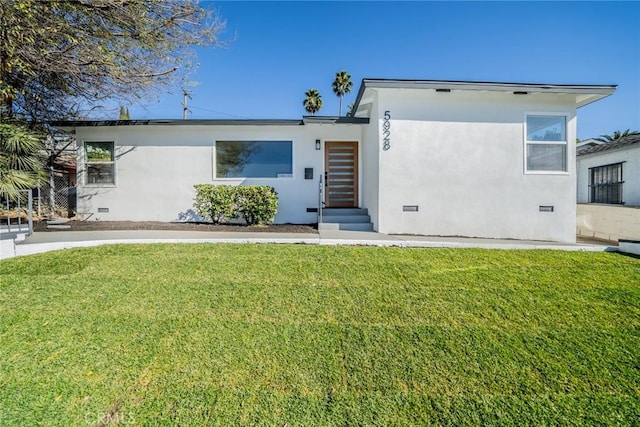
(546, 143)
(254, 159)
(605, 184)
(99, 163)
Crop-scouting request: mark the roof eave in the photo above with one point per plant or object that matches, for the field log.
(499, 86)
(587, 99)
(590, 93)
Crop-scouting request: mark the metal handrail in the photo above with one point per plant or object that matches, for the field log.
(320, 202)
(16, 195)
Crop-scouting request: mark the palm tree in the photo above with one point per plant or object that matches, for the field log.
(21, 158)
(617, 135)
(341, 85)
(312, 101)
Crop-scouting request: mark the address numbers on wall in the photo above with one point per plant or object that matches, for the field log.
(386, 130)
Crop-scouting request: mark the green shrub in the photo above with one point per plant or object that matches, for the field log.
(215, 202)
(257, 204)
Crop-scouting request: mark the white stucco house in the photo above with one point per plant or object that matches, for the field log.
(444, 158)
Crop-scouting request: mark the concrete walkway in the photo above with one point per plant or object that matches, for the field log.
(50, 241)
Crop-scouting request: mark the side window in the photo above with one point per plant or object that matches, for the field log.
(99, 163)
(546, 143)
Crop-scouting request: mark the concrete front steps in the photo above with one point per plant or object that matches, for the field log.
(351, 219)
(58, 224)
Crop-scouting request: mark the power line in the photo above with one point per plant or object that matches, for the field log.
(219, 112)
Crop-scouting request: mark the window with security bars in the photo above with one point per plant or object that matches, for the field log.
(605, 184)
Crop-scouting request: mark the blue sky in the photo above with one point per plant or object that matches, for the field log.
(278, 50)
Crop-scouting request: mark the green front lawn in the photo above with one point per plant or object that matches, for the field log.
(310, 335)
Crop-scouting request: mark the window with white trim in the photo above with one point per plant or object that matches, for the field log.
(254, 159)
(100, 163)
(546, 143)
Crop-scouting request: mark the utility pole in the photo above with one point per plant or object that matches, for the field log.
(185, 109)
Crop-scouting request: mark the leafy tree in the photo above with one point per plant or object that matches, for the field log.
(312, 101)
(21, 157)
(617, 135)
(342, 85)
(58, 57)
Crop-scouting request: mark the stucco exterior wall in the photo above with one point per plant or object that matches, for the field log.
(459, 157)
(608, 222)
(630, 172)
(157, 166)
(369, 149)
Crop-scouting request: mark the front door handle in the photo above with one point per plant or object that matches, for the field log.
(326, 182)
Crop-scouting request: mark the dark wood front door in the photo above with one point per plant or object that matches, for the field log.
(341, 174)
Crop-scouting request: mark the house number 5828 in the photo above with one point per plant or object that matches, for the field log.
(386, 130)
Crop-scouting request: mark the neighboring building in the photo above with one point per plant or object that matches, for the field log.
(444, 158)
(586, 144)
(609, 173)
(609, 190)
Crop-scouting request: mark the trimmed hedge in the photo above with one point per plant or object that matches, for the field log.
(215, 202)
(256, 204)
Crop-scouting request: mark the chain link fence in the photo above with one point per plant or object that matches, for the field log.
(57, 201)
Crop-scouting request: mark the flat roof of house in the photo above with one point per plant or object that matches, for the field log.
(594, 91)
(213, 122)
(624, 142)
(585, 94)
